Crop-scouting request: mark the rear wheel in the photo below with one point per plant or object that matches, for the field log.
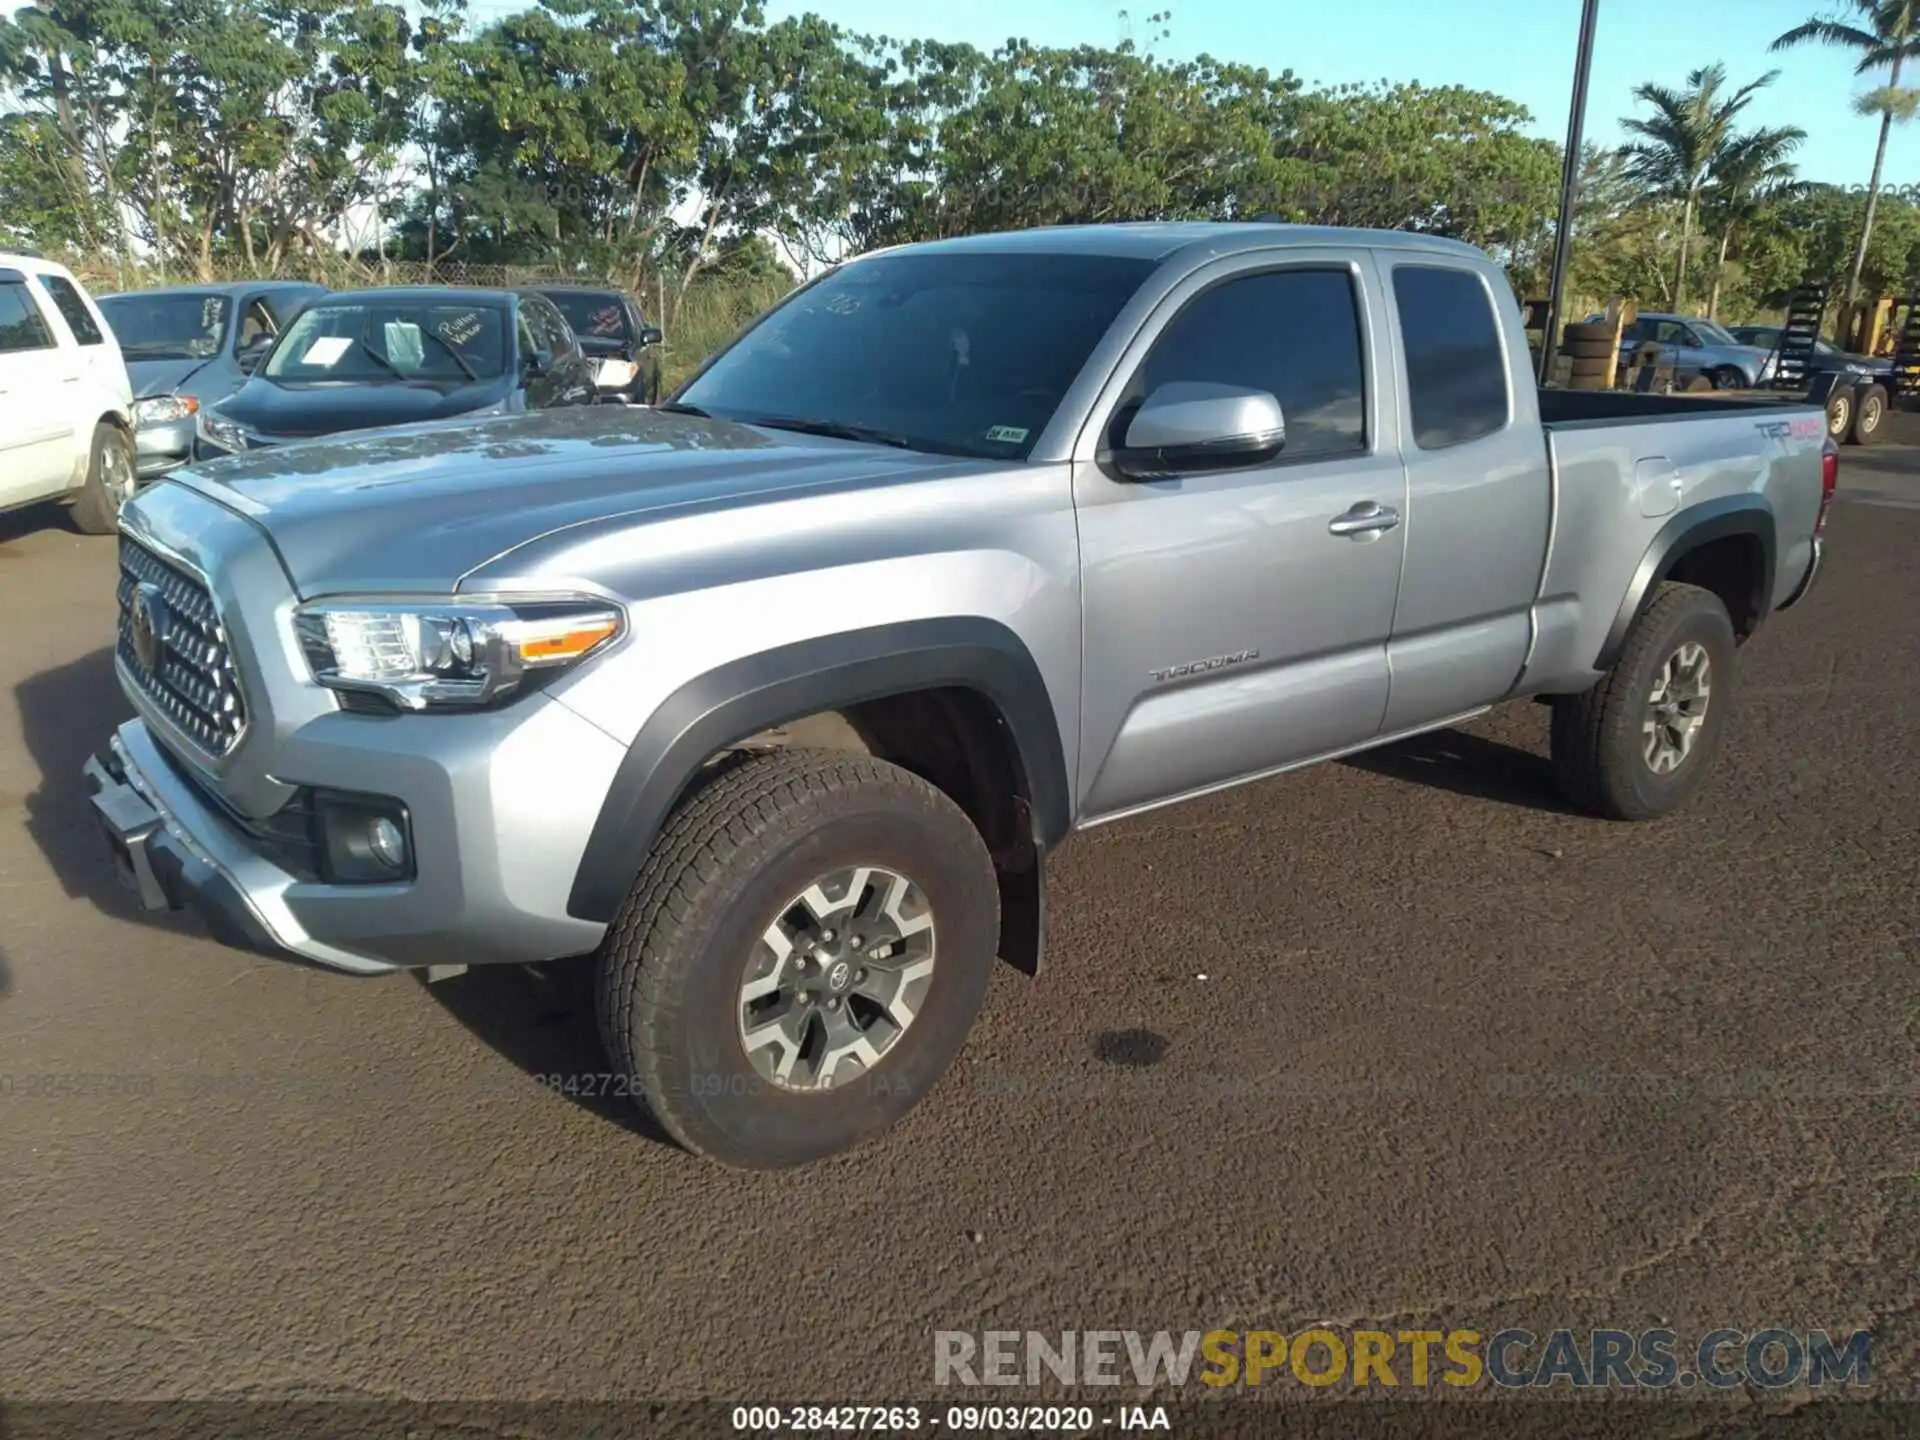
(800, 957)
(1639, 743)
(110, 481)
(1872, 413)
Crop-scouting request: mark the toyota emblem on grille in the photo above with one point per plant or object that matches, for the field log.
(148, 625)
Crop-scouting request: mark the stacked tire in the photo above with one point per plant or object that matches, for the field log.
(1594, 353)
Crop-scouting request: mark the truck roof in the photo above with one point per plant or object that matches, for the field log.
(1159, 239)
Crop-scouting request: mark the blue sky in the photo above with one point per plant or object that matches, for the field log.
(1520, 48)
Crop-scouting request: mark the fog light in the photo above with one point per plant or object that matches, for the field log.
(389, 846)
(363, 839)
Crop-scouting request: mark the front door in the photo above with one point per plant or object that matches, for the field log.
(1237, 620)
(37, 443)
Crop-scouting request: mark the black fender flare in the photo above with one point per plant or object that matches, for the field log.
(756, 692)
(1688, 530)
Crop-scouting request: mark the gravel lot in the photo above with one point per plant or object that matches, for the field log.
(1458, 1056)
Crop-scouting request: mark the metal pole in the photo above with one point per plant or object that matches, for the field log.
(1569, 184)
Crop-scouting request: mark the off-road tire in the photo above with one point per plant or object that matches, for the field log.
(96, 508)
(670, 971)
(1870, 416)
(1597, 737)
(1586, 330)
(1589, 349)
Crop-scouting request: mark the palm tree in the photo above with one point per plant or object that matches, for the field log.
(1677, 143)
(1746, 172)
(1888, 35)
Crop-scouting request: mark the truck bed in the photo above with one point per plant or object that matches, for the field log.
(1680, 460)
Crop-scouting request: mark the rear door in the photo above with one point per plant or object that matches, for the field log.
(1236, 621)
(36, 414)
(1479, 496)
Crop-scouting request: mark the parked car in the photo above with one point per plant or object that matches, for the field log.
(1697, 347)
(190, 346)
(1857, 408)
(360, 359)
(611, 329)
(1828, 358)
(66, 422)
(779, 696)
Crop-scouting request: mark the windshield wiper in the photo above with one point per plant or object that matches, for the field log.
(677, 407)
(832, 429)
(458, 359)
(382, 361)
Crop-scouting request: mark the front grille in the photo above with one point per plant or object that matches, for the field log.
(174, 647)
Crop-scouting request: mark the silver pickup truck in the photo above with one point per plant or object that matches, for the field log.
(777, 698)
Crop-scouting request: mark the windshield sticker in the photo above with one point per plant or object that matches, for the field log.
(327, 350)
(605, 322)
(1007, 434)
(211, 310)
(459, 329)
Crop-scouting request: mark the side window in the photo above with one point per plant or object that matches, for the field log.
(256, 324)
(524, 329)
(1672, 332)
(1456, 370)
(1638, 333)
(21, 324)
(551, 327)
(1292, 333)
(72, 309)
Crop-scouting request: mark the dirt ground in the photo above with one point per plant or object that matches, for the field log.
(1390, 1041)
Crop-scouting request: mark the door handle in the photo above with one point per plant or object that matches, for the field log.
(1366, 518)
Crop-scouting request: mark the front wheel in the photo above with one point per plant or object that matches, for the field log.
(1839, 414)
(109, 484)
(1728, 378)
(1639, 743)
(800, 958)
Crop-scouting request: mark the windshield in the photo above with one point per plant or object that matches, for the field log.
(167, 327)
(392, 342)
(957, 353)
(593, 314)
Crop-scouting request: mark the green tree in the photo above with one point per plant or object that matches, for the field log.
(1746, 172)
(1677, 143)
(1886, 37)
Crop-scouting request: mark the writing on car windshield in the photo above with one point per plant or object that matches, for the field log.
(956, 352)
(593, 316)
(400, 341)
(179, 326)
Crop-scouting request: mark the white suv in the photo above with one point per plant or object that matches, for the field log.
(65, 402)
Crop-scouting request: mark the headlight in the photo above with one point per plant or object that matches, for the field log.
(457, 654)
(221, 433)
(164, 409)
(1768, 366)
(615, 373)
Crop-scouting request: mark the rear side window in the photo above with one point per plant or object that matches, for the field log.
(1456, 371)
(72, 309)
(1294, 334)
(21, 325)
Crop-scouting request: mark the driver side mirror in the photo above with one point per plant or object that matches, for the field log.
(252, 353)
(651, 335)
(538, 362)
(1195, 425)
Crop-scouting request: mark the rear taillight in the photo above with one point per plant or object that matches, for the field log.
(1829, 479)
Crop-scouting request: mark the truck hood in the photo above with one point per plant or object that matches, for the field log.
(418, 508)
